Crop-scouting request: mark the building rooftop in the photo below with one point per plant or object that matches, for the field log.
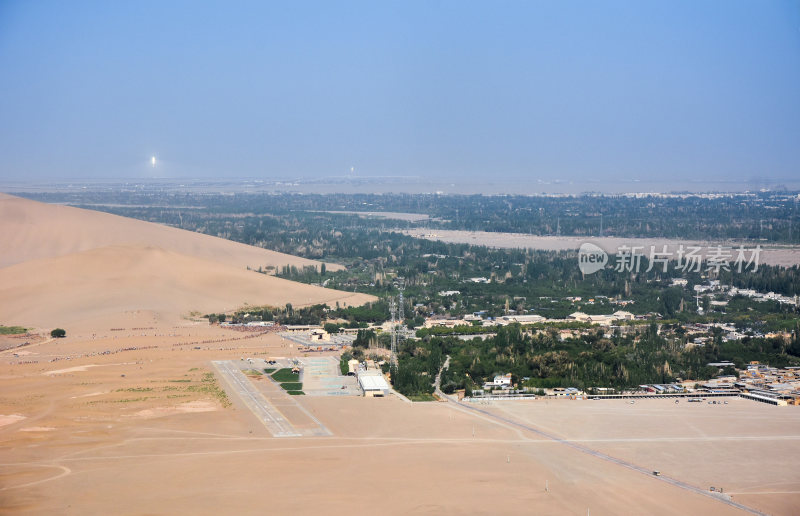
(370, 382)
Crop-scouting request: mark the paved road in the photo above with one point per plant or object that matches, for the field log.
(585, 449)
(277, 425)
(437, 383)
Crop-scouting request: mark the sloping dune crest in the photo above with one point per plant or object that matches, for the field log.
(56, 271)
(31, 230)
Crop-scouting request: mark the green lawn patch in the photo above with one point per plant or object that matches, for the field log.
(296, 393)
(292, 386)
(422, 397)
(269, 370)
(285, 375)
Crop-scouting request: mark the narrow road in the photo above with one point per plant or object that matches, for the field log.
(438, 382)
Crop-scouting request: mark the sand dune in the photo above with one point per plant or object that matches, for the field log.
(32, 230)
(70, 267)
(102, 282)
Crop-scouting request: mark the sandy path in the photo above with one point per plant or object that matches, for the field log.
(771, 254)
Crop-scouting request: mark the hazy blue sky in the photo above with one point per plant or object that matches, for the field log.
(526, 89)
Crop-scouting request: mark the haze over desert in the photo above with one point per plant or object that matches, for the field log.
(124, 415)
(400, 257)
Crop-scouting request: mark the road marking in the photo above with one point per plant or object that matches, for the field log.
(265, 411)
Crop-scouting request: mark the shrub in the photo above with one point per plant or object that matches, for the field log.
(58, 333)
(12, 330)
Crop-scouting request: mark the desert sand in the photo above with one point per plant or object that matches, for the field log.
(32, 230)
(67, 267)
(748, 449)
(79, 288)
(152, 442)
(127, 415)
(771, 254)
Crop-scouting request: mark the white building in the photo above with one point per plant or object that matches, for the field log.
(501, 381)
(319, 334)
(524, 319)
(578, 316)
(352, 366)
(373, 385)
(602, 320)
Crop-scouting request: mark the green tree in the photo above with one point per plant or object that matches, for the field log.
(58, 333)
(364, 338)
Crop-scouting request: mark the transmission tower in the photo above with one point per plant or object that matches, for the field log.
(397, 310)
(401, 286)
(401, 314)
(393, 311)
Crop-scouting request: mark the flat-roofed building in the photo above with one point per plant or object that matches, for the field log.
(524, 319)
(623, 315)
(373, 385)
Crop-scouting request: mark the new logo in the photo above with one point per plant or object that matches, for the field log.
(591, 258)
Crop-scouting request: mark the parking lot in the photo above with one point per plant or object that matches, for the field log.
(321, 377)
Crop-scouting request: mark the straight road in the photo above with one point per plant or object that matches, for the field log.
(277, 425)
(600, 455)
(584, 449)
